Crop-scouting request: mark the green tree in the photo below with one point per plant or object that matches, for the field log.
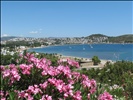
(96, 60)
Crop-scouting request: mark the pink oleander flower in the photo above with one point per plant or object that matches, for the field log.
(93, 82)
(26, 95)
(68, 93)
(3, 98)
(93, 86)
(67, 89)
(88, 96)
(71, 81)
(59, 87)
(3, 95)
(65, 70)
(11, 73)
(73, 63)
(33, 89)
(51, 71)
(46, 97)
(41, 63)
(76, 75)
(26, 68)
(105, 96)
(77, 95)
(29, 56)
(44, 85)
(84, 77)
(86, 83)
(69, 62)
(60, 79)
(45, 61)
(2, 68)
(44, 72)
(21, 94)
(52, 81)
(14, 76)
(6, 73)
(20, 55)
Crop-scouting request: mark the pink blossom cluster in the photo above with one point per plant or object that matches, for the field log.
(59, 80)
(105, 96)
(69, 62)
(3, 95)
(91, 84)
(62, 87)
(26, 69)
(11, 73)
(46, 97)
(28, 94)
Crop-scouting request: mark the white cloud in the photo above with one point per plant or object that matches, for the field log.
(34, 32)
(4, 35)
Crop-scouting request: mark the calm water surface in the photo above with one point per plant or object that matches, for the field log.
(103, 51)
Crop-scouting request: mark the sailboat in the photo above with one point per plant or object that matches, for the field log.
(70, 47)
(83, 45)
(83, 48)
(91, 46)
(123, 43)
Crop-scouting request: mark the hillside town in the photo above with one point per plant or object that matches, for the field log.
(19, 44)
(65, 40)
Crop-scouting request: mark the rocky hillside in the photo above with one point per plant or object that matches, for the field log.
(117, 39)
(122, 39)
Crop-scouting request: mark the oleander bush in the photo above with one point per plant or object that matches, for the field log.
(37, 79)
(120, 73)
(13, 59)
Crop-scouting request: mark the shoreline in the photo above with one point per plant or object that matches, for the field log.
(76, 44)
(86, 62)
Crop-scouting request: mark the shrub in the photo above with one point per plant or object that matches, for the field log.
(36, 79)
(96, 60)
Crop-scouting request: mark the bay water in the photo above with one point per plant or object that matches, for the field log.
(103, 51)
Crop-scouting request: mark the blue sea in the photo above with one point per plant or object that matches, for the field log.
(113, 52)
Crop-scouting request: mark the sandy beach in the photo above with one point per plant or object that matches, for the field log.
(86, 62)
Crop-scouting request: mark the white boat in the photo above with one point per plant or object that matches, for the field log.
(70, 47)
(91, 46)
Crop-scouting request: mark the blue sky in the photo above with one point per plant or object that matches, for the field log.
(65, 18)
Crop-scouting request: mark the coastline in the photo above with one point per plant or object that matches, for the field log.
(86, 62)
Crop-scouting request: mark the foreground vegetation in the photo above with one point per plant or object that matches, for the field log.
(33, 76)
(37, 79)
(12, 59)
(119, 74)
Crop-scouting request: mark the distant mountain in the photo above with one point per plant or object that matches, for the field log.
(97, 35)
(123, 38)
(5, 38)
(128, 38)
(95, 38)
